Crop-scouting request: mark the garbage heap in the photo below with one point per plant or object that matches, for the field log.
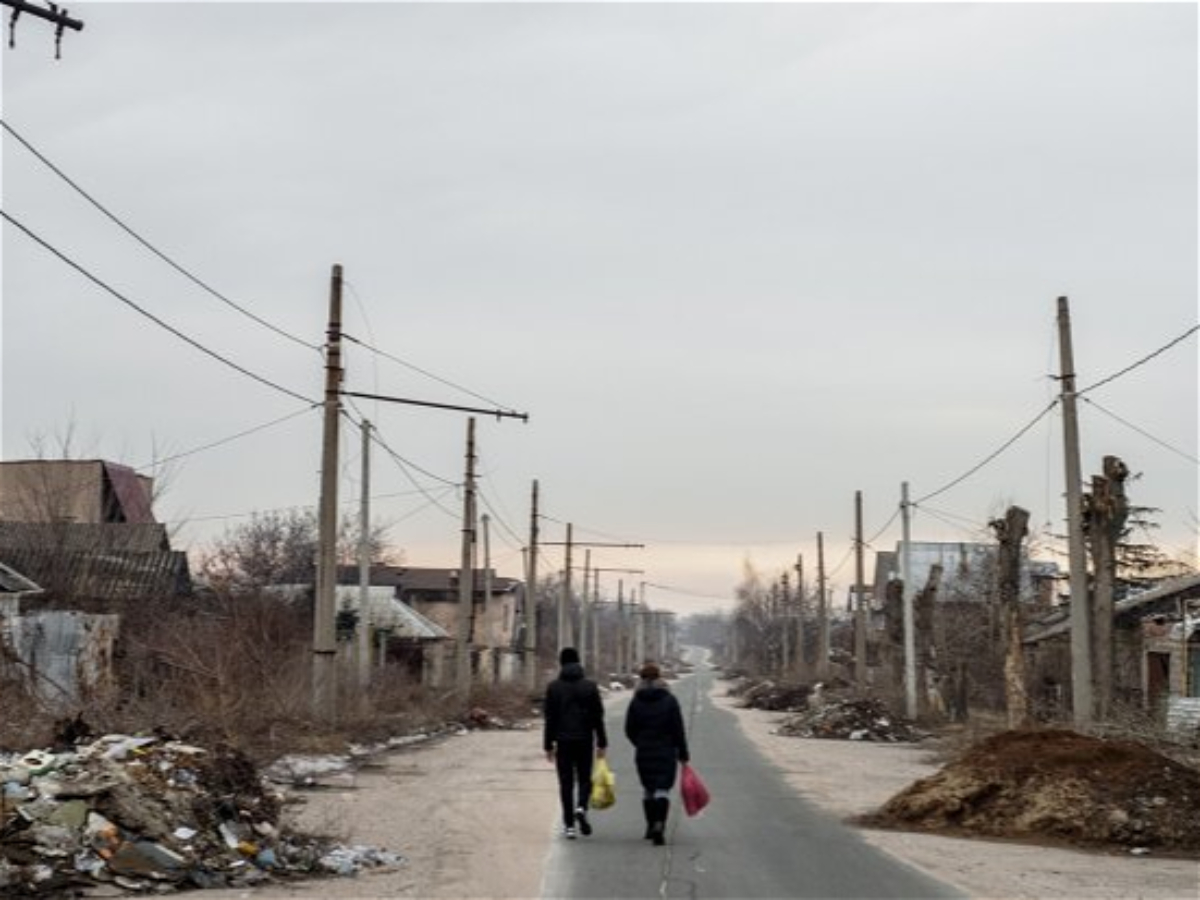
(149, 814)
(774, 696)
(866, 719)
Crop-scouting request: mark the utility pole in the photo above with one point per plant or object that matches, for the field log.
(59, 17)
(564, 599)
(1081, 624)
(489, 650)
(622, 657)
(785, 631)
(860, 588)
(363, 631)
(595, 621)
(531, 667)
(586, 611)
(801, 647)
(325, 590)
(822, 612)
(906, 600)
(466, 574)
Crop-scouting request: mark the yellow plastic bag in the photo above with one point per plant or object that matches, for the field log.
(604, 785)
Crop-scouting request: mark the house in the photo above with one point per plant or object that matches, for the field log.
(1156, 633)
(494, 629)
(96, 561)
(62, 490)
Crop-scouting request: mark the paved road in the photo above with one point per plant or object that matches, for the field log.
(757, 839)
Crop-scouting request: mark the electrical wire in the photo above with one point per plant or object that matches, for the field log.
(404, 465)
(687, 593)
(1012, 440)
(500, 519)
(226, 440)
(426, 373)
(153, 318)
(1141, 362)
(1141, 431)
(145, 243)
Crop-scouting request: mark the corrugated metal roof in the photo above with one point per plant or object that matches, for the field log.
(13, 582)
(413, 579)
(385, 611)
(105, 576)
(1061, 621)
(142, 537)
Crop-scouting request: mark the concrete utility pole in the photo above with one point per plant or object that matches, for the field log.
(785, 619)
(466, 574)
(622, 655)
(1081, 623)
(801, 646)
(822, 612)
(860, 590)
(531, 665)
(586, 611)
(489, 650)
(906, 602)
(564, 599)
(325, 590)
(363, 631)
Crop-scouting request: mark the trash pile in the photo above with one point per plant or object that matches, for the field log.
(771, 696)
(150, 814)
(1057, 785)
(852, 720)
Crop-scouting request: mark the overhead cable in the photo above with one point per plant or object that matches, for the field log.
(421, 371)
(991, 456)
(1141, 362)
(227, 440)
(153, 318)
(1147, 435)
(687, 593)
(145, 243)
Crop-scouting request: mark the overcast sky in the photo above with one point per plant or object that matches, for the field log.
(736, 262)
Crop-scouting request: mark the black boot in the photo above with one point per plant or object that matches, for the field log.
(659, 829)
(648, 807)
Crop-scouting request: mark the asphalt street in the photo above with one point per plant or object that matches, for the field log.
(756, 839)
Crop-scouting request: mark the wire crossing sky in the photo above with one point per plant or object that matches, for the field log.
(737, 262)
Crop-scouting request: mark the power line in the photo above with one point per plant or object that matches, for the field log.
(145, 243)
(404, 466)
(1142, 432)
(497, 517)
(227, 440)
(153, 318)
(1012, 440)
(686, 593)
(424, 372)
(1141, 362)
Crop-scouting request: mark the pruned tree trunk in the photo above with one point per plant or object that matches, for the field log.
(1011, 532)
(1106, 510)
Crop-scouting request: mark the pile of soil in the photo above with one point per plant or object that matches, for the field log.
(1057, 785)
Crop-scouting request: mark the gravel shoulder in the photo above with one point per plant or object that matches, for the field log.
(474, 816)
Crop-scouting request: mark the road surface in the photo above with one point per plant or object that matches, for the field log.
(757, 838)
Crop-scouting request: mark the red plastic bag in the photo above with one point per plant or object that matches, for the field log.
(691, 788)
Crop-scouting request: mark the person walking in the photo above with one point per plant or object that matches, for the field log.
(654, 725)
(574, 733)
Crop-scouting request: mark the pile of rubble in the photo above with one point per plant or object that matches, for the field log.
(852, 720)
(1057, 785)
(150, 814)
(773, 696)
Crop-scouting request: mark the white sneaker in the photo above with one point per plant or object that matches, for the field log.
(568, 832)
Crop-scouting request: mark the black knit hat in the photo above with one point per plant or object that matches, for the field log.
(568, 655)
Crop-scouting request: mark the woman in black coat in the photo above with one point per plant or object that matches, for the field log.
(654, 725)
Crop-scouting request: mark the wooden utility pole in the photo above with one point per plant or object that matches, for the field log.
(906, 600)
(822, 612)
(363, 631)
(466, 574)
(531, 663)
(325, 589)
(860, 590)
(1011, 531)
(1081, 624)
(1107, 510)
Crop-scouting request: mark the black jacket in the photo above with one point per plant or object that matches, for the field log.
(654, 724)
(574, 710)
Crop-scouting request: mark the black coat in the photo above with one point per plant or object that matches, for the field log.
(574, 710)
(654, 724)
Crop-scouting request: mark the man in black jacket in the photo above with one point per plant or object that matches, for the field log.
(574, 733)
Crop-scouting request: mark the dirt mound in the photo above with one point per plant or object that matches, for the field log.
(1057, 785)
